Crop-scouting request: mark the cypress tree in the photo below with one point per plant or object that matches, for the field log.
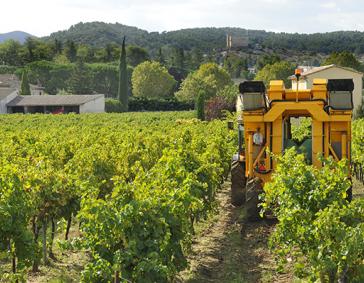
(25, 87)
(200, 106)
(123, 79)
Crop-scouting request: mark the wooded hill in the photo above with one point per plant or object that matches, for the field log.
(207, 39)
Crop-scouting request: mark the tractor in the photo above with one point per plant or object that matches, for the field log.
(264, 128)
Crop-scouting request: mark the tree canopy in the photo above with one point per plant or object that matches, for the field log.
(209, 78)
(344, 59)
(152, 80)
(277, 71)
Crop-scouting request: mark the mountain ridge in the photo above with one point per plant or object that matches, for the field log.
(16, 35)
(99, 34)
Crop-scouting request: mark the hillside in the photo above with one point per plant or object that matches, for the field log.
(99, 34)
(15, 35)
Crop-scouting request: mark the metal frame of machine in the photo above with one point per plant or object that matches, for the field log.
(266, 124)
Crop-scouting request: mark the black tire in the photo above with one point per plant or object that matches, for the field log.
(253, 189)
(238, 182)
(349, 194)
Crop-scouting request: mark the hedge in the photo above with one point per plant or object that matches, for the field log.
(144, 104)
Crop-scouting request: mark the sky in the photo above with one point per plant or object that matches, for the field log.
(42, 17)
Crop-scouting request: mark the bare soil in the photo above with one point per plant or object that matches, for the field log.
(225, 249)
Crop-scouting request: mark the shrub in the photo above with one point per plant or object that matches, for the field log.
(214, 108)
(137, 104)
(145, 104)
(113, 105)
(317, 226)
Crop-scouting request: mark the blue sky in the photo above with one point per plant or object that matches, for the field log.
(41, 17)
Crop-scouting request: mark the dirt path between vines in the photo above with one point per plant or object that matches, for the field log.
(225, 250)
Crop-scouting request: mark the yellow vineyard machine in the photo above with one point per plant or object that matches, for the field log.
(265, 123)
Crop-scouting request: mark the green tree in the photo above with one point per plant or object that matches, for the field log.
(196, 58)
(83, 53)
(58, 46)
(209, 78)
(71, 51)
(268, 59)
(123, 79)
(80, 81)
(344, 59)
(136, 55)
(235, 65)
(200, 106)
(277, 71)
(12, 53)
(160, 57)
(25, 87)
(179, 58)
(152, 80)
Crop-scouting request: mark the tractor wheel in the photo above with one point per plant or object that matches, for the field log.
(253, 189)
(349, 194)
(238, 182)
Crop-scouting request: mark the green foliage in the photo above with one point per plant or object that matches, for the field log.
(229, 93)
(80, 81)
(277, 71)
(142, 180)
(200, 106)
(123, 79)
(209, 78)
(208, 39)
(15, 213)
(12, 53)
(136, 55)
(235, 65)
(268, 59)
(317, 226)
(70, 50)
(5, 69)
(301, 130)
(113, 106)
(137, 104)
(358, 141)
(145, 104)
(152, 80)
(25, 87)
(344, 59)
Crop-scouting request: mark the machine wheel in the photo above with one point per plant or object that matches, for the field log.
(253, 189)
(238, 182)
(349, 194)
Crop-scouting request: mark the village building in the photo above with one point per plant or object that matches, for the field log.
(39, 102)
(332, 72)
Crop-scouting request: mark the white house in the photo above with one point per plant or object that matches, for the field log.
(332, 72)
(57, 104)
(38, 102)
(6, 95)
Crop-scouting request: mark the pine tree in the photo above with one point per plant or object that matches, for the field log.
(123, 79)
(25, 87)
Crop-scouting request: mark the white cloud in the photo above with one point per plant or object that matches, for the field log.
(329, 5)
(41, 17)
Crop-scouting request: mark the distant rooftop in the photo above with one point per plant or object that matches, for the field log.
(6, 91)
(52, 100)
(9, 80)
(322, 68)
